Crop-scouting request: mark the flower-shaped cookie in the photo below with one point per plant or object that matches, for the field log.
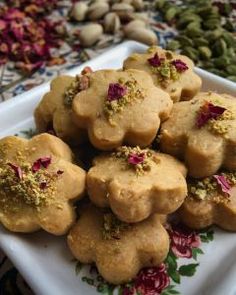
(169, 71)
(119, 249)
(211, 200)
(38, 184)
(121, 107)
(202, 133)
(136, 183)
(54, 110)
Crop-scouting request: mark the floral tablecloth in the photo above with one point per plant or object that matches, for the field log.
(16, 79)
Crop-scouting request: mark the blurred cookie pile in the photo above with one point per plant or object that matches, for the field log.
(119, 152)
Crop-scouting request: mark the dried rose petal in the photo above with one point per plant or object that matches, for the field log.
(136, 159)
(223, 183)
(36, 166)
(59, 172)
(208, 111)
(17, 170)
(179, 65)
(155, 61)
(116, 91)
(44, 161)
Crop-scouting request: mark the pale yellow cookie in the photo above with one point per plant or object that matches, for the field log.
(119, 249)
(202, 133)
(136, 183)
(54, 113)
(208, 204)
(38, 184)
(121, 107)
(170, 71)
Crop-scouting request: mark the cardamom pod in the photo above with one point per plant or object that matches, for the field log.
(193, 32)
(173, 45)
(232, 78)
(231, 69)
(191, 53)
(200, 41)
(205, 52)
(171, 13)
(219, 48)
(221, 62)
(184, 40)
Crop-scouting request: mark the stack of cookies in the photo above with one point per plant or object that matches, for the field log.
(150, 145)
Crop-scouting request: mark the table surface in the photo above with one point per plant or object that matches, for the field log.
(13, 83)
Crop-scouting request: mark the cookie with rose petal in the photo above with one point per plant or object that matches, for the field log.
(170, 71)
(38, 184)
(202, 133)
(118, 249)
(211, 200)
(54, 114)
(121, 107)
(136, 182)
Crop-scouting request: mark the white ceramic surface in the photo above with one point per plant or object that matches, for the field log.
(45, 261)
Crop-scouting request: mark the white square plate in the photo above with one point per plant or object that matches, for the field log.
(45, 261)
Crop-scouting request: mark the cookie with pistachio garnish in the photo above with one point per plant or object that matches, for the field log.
(121, 107)
(118, 249)
(136, 182)
(53, 113)
(211, 200)
(169, 71)
(202, 133)
(38, 184)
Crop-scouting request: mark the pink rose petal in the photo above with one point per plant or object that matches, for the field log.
(223, 183)
(179, 65)
(18, 171)
(116, 91)
(208, 111)
(135, 159)
(155, 61)
(41, 162)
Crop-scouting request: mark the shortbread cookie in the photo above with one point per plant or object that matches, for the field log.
(54, 110)
(202, 133)
(211, 200)
(38, 184)
(136, 183)
(119, 249)
(169, 71)
(121, 107)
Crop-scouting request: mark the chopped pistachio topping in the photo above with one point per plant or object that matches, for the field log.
(209, 189)
(81, 82)
(35, 189)
(132, 94)
(135, 158)
(113, 227)
(219, 125)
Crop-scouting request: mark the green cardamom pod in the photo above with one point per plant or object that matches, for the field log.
(231, 69)
(219, 48)
(232, 78)
(184, 40)
(191, 53)
(173, 45)
(205, 52)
